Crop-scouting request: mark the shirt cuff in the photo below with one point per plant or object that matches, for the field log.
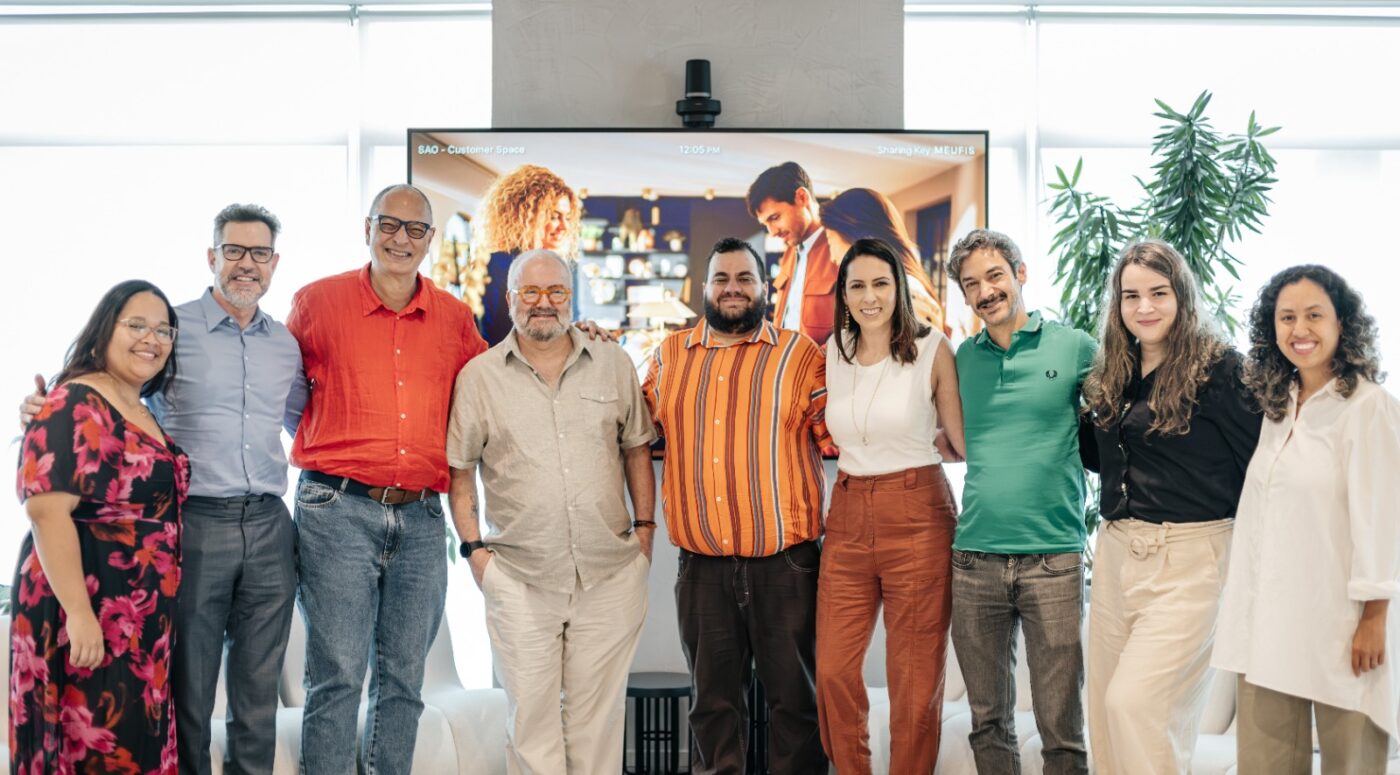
(1363, 590)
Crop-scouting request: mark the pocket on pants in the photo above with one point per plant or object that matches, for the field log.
(1062, 564)
(964, 560)
(314, 495)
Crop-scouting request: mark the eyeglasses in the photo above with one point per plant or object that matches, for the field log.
(233, 253)
(530, 294)
(391, 225)
(139, 328)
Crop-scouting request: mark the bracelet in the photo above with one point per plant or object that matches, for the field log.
(636, 523)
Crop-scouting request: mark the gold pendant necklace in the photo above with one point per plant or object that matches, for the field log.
(855, 375)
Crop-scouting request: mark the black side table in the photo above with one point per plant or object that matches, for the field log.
(656, 721)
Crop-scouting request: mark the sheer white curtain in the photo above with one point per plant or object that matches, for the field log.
(123, 136)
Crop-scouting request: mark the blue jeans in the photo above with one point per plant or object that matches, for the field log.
(993, 595)
(373, 582)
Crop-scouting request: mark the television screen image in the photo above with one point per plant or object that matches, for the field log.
(636, 212)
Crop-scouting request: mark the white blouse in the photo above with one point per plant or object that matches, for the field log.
(882, 416)
(1317, 534)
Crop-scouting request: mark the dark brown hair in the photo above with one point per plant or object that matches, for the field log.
(905, 327)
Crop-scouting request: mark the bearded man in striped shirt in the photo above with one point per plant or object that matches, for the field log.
(741, 405)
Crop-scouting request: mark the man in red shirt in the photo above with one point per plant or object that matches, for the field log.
(381, 346)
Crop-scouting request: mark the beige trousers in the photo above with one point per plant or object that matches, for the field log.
(578, 645)
(1273, 732)
(1155, 596)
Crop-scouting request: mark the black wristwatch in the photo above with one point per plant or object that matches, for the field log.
(468, 547)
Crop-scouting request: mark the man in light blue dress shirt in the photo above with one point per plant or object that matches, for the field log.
(240, 384)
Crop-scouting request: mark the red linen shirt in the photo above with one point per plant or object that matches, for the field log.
(381, 381)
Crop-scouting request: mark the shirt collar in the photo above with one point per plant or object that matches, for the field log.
(767, 333)
(582, 344)
(807, 244)
(1032, 326)
(215, 315)
(370, 301)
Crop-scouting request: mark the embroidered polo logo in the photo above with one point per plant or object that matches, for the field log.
(1051, 374)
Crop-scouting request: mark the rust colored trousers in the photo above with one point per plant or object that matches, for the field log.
(889, 542)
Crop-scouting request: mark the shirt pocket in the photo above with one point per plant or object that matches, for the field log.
(598, 416)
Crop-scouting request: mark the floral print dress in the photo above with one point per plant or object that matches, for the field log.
(117, 717)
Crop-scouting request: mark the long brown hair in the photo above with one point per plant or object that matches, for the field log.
(1193, 345)
(905, 326)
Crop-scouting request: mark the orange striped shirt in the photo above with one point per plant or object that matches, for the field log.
(744, 425)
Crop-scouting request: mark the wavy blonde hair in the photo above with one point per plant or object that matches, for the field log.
(513, 214)
(1193, 345)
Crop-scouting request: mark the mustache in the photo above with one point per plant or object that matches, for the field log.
(991, 300)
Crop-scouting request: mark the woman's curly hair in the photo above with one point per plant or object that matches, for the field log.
(1193, 346)
(516, 209)
(1269, 373)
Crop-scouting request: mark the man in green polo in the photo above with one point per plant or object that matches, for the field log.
(1018, 551)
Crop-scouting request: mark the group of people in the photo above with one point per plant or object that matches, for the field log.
(159, 535)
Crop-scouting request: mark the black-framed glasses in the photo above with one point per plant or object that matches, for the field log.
(388, 224)
(139, 328)
(232, 253)
(558, 294)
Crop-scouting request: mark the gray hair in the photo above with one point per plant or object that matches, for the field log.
(394, 189)
(517, 267)
(245, 213)
(982, 239)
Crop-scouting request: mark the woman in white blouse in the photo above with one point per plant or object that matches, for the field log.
(891, 384)
(1316, 553)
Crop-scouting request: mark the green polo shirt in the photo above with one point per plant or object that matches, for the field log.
(1024, 492)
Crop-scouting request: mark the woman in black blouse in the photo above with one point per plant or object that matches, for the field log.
(1174, 429)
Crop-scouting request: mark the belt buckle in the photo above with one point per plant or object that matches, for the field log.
(384, 497)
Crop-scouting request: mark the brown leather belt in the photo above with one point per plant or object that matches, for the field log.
(389, 496)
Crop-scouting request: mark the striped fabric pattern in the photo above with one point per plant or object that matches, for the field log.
(744, 425)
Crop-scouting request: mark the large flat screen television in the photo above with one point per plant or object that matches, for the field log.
(637, 211)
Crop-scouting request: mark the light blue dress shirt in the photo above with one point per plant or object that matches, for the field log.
(235, 390)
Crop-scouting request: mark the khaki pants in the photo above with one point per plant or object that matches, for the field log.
(889, 541)
(579, 644)
(1155, 596)
(1274, 735)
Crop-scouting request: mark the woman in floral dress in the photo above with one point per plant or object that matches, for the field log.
(96, 580)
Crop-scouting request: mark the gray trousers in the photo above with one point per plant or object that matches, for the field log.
(237, 588)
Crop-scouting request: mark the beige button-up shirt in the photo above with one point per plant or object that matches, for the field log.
(551, 459)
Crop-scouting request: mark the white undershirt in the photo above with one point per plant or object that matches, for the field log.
(792, 314)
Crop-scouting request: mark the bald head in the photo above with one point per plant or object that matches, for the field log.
(378, 203)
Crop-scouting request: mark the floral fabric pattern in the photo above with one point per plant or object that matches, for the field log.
(118, 717)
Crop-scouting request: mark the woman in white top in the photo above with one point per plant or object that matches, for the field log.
(1316, 553)
(891, 385)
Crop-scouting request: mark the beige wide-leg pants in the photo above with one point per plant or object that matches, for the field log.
(579, 644)
(1155, 596)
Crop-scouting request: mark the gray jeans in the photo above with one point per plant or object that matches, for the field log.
(993, 594)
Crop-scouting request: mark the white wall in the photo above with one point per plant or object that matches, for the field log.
(621, 63)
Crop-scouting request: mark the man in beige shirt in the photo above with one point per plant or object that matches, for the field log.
(556, 423)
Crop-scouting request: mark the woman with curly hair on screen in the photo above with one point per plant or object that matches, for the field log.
(1316, 555)
(528, 209)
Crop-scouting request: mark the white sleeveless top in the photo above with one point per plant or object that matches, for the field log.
(902, 421)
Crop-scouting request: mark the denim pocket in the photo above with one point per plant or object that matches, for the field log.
(311, 495)
(963, 560)
(1062, 564)
(433, 504)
